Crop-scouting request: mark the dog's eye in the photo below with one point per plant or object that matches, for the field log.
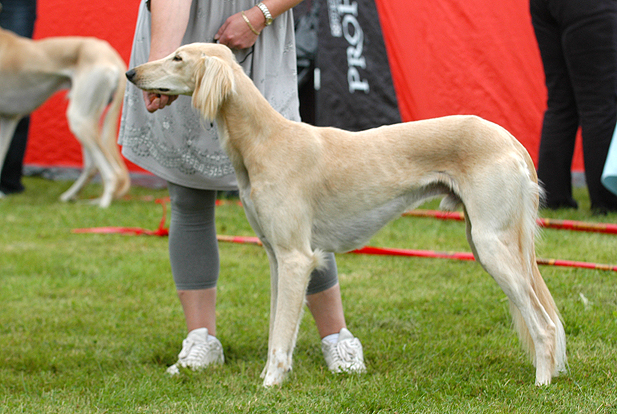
(177, 58)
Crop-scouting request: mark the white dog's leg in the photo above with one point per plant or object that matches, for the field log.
(294, 269)
(273, 297)
(89, 97)
(251, 215)
(87, 173)
(85, 128)
(110, 183)
(501, 260)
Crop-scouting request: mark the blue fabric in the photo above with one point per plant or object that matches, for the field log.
(609, 175)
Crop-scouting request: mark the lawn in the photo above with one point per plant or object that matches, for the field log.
(89, 322)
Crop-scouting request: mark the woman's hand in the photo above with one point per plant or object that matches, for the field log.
(156, 101)
(235, 33)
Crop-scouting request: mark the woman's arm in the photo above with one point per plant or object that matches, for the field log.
(169, 22)
(170, 18)
(236, 32)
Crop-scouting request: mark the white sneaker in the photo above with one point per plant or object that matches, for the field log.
(198, 352)
(345, 355)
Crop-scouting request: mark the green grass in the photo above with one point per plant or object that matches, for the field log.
(88, 323)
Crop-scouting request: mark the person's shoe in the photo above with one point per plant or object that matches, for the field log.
(198, 352)
(345, 355)
(11, 189)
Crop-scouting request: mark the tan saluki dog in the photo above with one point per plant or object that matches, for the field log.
(31, 71)
(306, 190)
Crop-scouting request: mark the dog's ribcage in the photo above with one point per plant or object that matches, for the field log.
(378, 193)
(345, 232)
(24, 96)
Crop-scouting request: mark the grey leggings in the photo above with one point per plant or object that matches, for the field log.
(193, 249)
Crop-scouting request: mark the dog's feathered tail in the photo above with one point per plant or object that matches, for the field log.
(532, 195)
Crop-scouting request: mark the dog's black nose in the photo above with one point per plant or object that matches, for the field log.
(130, 74)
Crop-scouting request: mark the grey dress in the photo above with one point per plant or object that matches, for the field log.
(174, 143)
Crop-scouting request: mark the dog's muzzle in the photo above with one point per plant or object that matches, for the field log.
(130, 74)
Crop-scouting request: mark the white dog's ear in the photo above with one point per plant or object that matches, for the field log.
(214, 82)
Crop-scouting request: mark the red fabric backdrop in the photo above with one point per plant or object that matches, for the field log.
(467, 57)
(447, 57)
(50, 142)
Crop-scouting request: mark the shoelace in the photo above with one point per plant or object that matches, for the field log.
(193, 351)
(346, 351)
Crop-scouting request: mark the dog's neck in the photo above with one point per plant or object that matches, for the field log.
(246, 120)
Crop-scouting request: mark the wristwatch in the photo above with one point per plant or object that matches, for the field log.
(266, 12)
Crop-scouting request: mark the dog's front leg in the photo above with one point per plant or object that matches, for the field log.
(273, 296)
(251, 215)
(294, 269)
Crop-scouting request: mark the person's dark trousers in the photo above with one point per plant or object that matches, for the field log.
(17, 16)
(578, 46)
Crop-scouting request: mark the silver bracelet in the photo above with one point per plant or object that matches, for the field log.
(266, 12)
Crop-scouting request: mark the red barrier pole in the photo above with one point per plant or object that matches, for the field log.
(135, 231)
(573, 225)
(384, 251)
(162, 231)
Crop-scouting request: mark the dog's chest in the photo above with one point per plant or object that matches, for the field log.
(21, 96)
(348, 229)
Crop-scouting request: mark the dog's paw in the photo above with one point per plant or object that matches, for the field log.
(66, 197)
(274, 378)
(276, 370)
(543, 377)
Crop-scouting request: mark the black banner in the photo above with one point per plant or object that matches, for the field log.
(353, 80)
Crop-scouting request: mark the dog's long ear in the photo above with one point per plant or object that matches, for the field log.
(214, 82)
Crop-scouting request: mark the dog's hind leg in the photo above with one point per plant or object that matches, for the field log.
(84, 113)
(503, 252)
(499, 261)
(294, 269)
(87, 132)
(87, 173)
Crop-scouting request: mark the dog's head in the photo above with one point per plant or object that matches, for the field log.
(203, 70)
